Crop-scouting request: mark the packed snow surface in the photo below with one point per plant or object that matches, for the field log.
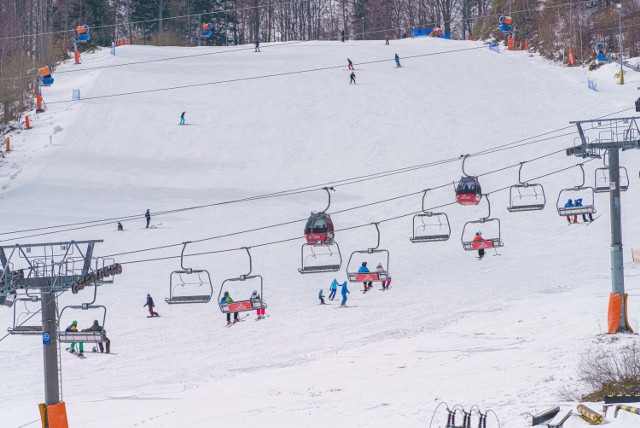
(505, 332)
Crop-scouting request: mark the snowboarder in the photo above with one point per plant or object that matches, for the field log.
(226, 299)
(396, 58)
(350, 66)
(570, 204)
(477, 238)
(257, 46)
(97, 327)
(74, 328)
(584, 216)
(120, 227)
(386, 40)
(321, 297)
(365, 269)
(151, 305)
(353, 78)
(182, 118)
(344, 293)
(255, 300)
(333, 288)
(342, 36)
(147, 215)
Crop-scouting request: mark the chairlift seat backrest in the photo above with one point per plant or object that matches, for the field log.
(433, 227)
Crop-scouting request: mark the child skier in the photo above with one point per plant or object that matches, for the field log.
(397, 60)
(227, 299)
(150, 304)
(321, 297)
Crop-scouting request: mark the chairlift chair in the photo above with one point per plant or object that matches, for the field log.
(586, 193)
(17, 327)
(429, 226)
(244, 305)
(601, 181)
(526, 196)
(179, 279)
(468, 190)
(319, 233)
(352, 271)
(82, 336)
(492, 239)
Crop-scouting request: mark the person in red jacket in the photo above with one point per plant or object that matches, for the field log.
(479, 237)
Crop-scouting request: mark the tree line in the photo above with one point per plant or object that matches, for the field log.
(39, 32)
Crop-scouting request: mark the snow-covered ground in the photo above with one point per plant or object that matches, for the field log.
(504, 333)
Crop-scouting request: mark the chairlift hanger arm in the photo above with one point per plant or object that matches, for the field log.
(184, 247)
(464, 159)
(250, 262)
(329, 190)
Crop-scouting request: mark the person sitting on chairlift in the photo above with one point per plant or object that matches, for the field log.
(584, 216)
(365, 269)
(477, 238)
(255, 298)
(97, 327)
(227, 299)
(570, 204)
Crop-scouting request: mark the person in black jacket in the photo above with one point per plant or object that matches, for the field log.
(97, 327)
(150, 304)
(147, 215)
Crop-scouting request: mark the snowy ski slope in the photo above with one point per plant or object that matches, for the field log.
(504, 333)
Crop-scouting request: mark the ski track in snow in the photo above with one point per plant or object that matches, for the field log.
(505, 332)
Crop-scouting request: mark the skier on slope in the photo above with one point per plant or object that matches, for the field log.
(147, 216)
(73, 328)
(120, 227)
(350, 65)
(344, 293)
(365, 269)
(226, 299)
(352, 78)
(151, 305)
(333, 288)
(182, 118)
(397, 60)
(321, 297)
(257, 45)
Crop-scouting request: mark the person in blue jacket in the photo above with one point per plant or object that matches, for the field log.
(226, 299)
(570, 204)
(584, 216)
(334, 288)
(397, 60)
(365, 269)
(344, 293)
(321, 297)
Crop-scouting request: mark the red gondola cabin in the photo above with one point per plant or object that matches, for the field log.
(319, 229)
(468, 191)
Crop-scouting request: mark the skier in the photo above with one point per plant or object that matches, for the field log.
(321, 297)
(477, 238)
(97, 327)
(226, 299)
(386, 40)
(151, 305)
(353, 78)
(570, 204)
(182, 118)
(120, 227)
(365, 269)
(350, 66)
(257, 46)
(74, 328)
(584, 216)
(397, 60)
(342, 36)
(255, 299)
(147, 215)
(333, 288)
(344, 293)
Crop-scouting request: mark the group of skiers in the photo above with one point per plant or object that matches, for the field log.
(352, 76)
(333, 289)
(577, 204)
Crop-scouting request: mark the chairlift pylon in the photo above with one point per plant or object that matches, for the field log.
(468, 189)
(319, 233)
(601, 178)
(526, 196)
(582, 193)
(179, 278)
(243, 305)
(429, 226)
(474, 239)
(353, 273)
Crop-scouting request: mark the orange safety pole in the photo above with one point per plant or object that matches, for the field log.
(27, 122)
(526, 44)
(572, 58)
(76, 56)
(38, 102)
(520, 48)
